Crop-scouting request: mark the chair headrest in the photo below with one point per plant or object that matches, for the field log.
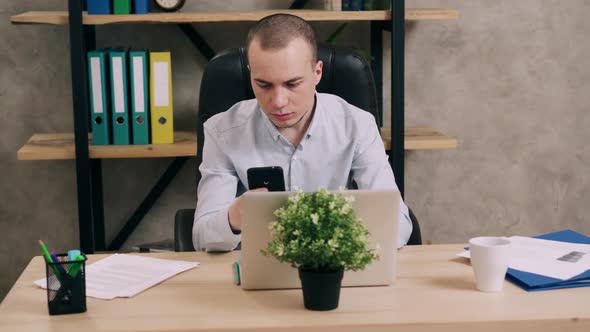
(226, 80)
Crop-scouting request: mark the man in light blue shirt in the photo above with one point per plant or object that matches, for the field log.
(318, 139)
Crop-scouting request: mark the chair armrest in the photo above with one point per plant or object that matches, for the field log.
(183, 230)
(416, 236)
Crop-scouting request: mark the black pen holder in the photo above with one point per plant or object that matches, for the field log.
(66, 285)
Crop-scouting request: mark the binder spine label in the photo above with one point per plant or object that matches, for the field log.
(161, 89)
(118, 85)
(96, 85)
(138, 84)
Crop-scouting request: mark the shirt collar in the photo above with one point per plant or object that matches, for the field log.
(316, 119)
(272, 130)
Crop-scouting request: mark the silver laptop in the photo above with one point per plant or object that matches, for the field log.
(379, 211)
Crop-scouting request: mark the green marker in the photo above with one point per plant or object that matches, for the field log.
(236, 273)
(49, 259)
(76, 266)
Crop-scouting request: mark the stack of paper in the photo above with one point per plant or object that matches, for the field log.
(121, 275)
(550, 261)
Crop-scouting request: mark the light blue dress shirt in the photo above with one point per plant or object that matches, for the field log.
(341, 141)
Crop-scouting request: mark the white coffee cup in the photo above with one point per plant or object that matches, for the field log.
(489, 258)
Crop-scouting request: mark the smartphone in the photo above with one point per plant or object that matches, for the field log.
(270, 177)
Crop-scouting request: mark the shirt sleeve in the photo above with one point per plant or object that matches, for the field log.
(216, 192)
(371, 170)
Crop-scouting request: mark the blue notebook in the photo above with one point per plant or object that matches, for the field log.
(533, 282)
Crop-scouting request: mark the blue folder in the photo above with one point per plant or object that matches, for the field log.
(533, 282)
(98, 7)
(141, 6)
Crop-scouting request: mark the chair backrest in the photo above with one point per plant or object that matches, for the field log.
(226, 81)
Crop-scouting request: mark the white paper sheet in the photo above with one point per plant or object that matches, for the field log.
(122, 275)
(559, 260)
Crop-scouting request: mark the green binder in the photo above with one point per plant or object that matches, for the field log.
(138, 77)
(99, 93)
(121, 7)
(119, 99)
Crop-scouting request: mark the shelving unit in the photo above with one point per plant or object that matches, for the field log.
(75, 146)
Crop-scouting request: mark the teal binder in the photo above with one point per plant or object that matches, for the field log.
(138, 77)
(98, 91)
(119, 97)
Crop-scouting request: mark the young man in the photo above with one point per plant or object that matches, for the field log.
(318, 139)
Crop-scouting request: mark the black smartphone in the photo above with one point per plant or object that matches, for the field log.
(270, 177)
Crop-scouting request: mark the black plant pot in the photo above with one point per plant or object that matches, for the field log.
(321, 290)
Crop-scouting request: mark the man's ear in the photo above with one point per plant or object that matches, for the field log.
(318, 71)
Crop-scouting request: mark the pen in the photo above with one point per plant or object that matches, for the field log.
(49, 259)
(59, 266)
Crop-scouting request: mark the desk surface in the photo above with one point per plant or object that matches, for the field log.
(434, 290)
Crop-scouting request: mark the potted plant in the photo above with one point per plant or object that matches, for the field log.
(320, 235)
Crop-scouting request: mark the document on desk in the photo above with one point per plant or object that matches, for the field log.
(555, 259)
(122, 275)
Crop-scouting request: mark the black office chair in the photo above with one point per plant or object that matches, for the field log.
(226, 81)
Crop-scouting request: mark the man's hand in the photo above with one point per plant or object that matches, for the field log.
(235, 220)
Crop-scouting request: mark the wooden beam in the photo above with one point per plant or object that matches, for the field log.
(61, 147)
(422, 138)
(61, 17)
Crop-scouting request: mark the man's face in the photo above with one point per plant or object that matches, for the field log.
(284, 81)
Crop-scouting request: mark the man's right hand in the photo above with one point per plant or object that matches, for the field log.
(235, 219)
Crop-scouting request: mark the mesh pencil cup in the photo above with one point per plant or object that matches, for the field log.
(66, 285)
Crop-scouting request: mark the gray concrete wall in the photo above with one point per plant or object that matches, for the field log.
(509, 79)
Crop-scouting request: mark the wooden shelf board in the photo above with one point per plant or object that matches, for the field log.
(61, 146)
(61, 17)
(421, 138)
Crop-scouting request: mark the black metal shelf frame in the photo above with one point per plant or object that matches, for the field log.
(89, 171)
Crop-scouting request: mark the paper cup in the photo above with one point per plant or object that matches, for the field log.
(489, 258)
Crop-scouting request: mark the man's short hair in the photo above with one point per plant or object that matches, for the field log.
(276, 31)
